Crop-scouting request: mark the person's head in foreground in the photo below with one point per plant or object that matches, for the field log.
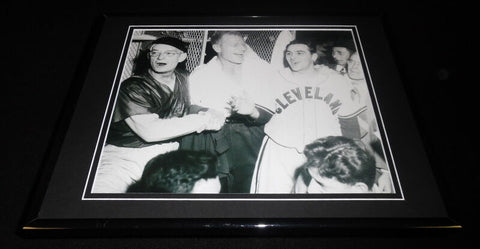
(338, 165)
(179, 172)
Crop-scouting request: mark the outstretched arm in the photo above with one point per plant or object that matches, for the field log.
(153, 129)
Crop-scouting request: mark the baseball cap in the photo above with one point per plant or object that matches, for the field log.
(172, 41)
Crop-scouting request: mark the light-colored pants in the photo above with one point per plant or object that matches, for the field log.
(275, 169)
(121, 166)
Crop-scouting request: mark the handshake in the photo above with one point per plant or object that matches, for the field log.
(242, 105)
(212, 120)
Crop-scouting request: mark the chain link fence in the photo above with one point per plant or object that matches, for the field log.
(262, 42)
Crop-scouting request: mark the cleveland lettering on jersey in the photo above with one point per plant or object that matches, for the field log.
(308, 92)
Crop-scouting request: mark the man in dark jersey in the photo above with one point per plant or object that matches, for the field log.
(150, 114)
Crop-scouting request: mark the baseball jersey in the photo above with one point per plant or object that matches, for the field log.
(212, 88)
(305, 111)
(143, 94)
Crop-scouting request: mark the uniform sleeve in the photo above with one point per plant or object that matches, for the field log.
(197, 93)
(268, 91)
(352, 104)
(133, 99)
(263, 94)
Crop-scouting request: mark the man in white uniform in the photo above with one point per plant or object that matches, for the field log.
(310, 103)
(233, 83)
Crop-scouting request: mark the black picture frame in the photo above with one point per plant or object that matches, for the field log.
(64, 205)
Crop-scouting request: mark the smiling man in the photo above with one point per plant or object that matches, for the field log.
(233, 83)
(309, 102)
(149, 117)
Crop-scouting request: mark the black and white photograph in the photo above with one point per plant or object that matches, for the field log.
(238, 123)
(260, 110)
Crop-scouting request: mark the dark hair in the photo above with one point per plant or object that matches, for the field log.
(307, 42)
(175, 172)
(217, 35)
(341, 158)
(344, 43)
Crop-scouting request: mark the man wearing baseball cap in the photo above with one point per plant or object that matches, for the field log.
(149, 116)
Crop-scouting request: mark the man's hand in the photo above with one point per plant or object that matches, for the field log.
(244, 106)
(214, 120)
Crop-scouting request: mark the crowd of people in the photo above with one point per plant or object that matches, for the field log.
(237, 125)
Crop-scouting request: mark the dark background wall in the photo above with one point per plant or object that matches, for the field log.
(47, 46)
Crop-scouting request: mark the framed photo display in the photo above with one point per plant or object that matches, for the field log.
(244, 123)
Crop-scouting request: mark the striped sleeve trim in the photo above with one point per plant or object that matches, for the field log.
(264, 108)
(364, 108)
